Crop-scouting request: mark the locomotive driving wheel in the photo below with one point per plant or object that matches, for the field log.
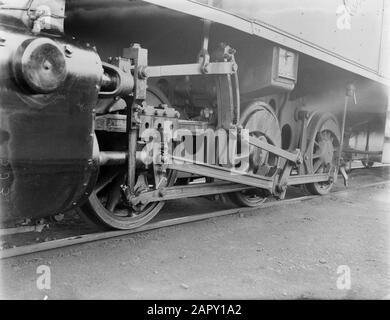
(107, 206)
(262, 123)
(322, 151)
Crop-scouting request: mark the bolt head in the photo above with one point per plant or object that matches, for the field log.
(68, 50)
(206, 68)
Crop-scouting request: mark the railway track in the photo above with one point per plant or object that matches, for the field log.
(85, 238)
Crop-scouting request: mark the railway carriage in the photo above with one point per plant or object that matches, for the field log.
(114, 107)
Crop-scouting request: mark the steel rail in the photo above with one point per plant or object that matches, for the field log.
(75, 240)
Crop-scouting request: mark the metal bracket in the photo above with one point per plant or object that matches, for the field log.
(304, 116)
(350, 93)
(117, 78)
(139, 57)
(228, 91)
(280, 185)
(345, 176)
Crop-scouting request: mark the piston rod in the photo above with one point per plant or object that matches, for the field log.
(107, 158)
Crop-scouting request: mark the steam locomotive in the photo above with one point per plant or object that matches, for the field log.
(114, 107)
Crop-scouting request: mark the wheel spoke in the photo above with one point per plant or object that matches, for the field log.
(317, 166)
(114, 193)
(316, 155)
(105, 180)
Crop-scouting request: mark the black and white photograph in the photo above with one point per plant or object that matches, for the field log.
(213, 151)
